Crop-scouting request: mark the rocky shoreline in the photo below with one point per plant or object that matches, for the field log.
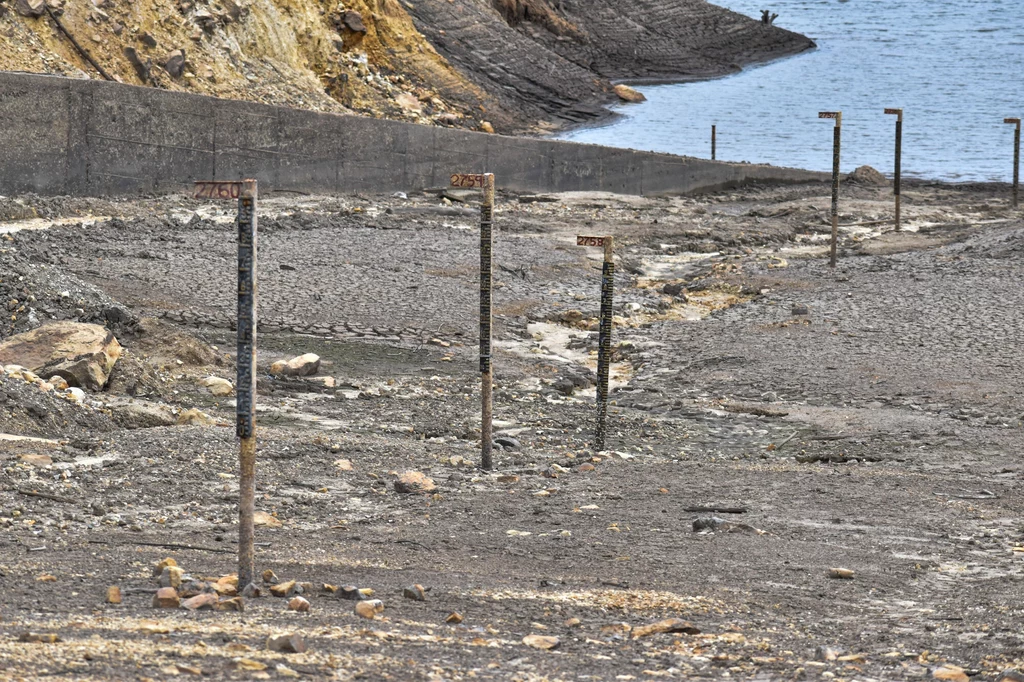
(811, 474)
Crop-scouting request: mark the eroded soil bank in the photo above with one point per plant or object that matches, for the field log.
(866, 419)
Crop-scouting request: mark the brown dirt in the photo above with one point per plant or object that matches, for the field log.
(877, 432)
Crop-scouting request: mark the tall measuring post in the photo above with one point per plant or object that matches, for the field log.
(898, 113)
(836, 144)
(484, 181)
(245, 385)
(604, 337)
(714, 135)
(1016, 160)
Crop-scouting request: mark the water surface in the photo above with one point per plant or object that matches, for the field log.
(956, 68)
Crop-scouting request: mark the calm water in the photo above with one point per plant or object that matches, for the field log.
(955, 67)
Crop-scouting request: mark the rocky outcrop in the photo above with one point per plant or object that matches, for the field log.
(81, 354)
(557, 56)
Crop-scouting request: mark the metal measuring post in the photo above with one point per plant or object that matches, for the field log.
(484, 181)
(836, 142)
(245, 385)
(1016, 160)
(713, 141)
(604, 338)
(898, 113)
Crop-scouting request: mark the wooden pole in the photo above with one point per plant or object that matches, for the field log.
(245, 385)
(1016, 160)
(836, 143)
(486, 281)
(898, 163)
(713, 142)
(604, 343)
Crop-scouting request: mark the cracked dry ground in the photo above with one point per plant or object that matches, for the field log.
(866, 419)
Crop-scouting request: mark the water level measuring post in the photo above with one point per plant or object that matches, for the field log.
(604, 338)
(484, 181)
(713, 141)
(1016, 160)
(245, 384)
(898, 113)
(836, 143)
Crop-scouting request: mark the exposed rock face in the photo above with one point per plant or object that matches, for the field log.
(81, 354)
(556, 56)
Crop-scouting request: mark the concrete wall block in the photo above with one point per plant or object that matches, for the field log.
(35, 112)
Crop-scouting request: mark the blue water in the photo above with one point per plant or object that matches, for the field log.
(955, 67)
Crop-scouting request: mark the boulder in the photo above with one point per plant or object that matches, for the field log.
(303, 366)
(868, 176)
(174, 65)
(30, 8)
(140, 414)
(628, 94)
(81, 354)
(218, 386)
(414, 482)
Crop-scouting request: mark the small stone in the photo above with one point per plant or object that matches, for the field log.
(171, 576)
(114, 595)
(573, 623)
(287, 644)
(709, 523)
(261, 518)
(675, 289)
(147, 39)
(166, 598)
(174, 64)
(508, 478)
(30, 8)
(298, 604)
(415, 592)
(486, 127)
(826, 653)
(840, 573)
(217, 386)
(233, 604)
(201, 601)
(252, 591)
(508, 443)
(952, 673)
(541, 642)
(195, 417)
(586, 467)
(39, 638)
(36, 460)
(58, 383)
(628, 94)
(667, 625)
(269, 577)
(284, 589)
(158, 569)
(330, 589)
(343, 465)
(350, 592)
(193, 588)
(368, 608)
(454, 618)
(412, 482)
(800, 310)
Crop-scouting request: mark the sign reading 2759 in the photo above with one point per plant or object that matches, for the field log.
(467, 180)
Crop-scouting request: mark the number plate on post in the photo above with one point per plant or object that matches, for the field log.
(1011, 120)
(468, 180)
(216, 189)
(894, 112)
(828, 114)
(589, 241)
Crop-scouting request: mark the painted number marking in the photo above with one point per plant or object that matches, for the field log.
(828, 114)
(1011, 120)
(214, 189)
(589, 241)
(894, 112)
(467, 180)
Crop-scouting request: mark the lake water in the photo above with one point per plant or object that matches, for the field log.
(955, 67)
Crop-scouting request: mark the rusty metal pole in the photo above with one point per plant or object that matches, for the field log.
(898, 164)
(1016, 160)
(713, 141)
(486, 281)
(604, 343)
(245, 385)
(836, 143)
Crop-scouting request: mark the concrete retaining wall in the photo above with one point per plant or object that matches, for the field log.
(94, 138)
